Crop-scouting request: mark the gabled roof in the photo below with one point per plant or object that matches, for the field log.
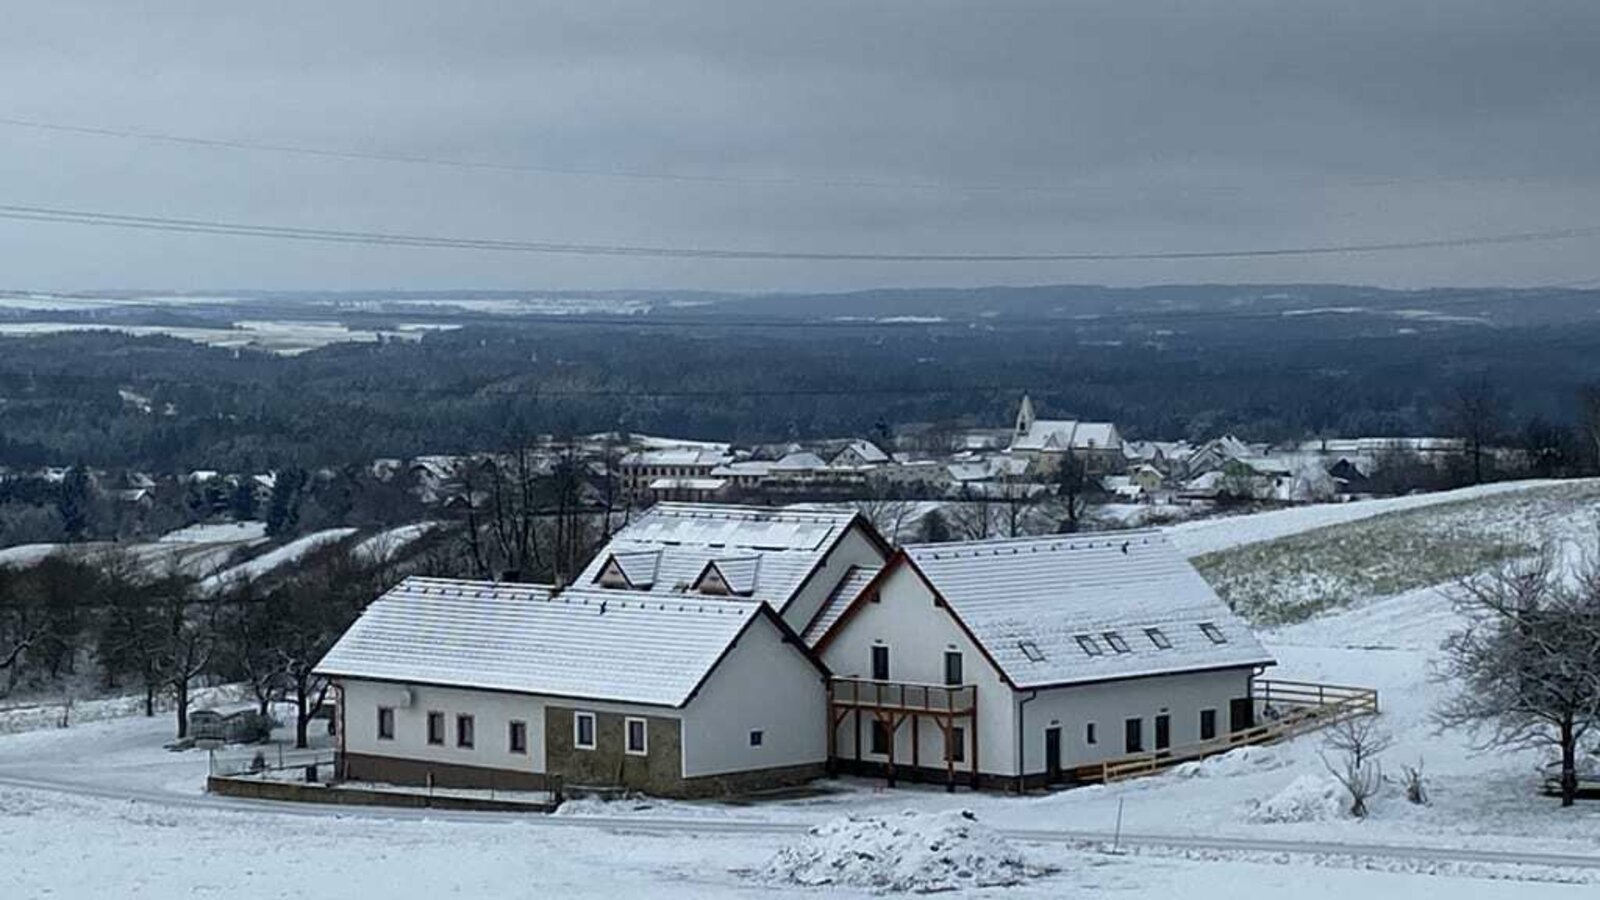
(593, 644)
(866, 450)
(1067, 434)
(855, 579)
(735, 575)
(1027, 603)
(791, 544)
(637, 568)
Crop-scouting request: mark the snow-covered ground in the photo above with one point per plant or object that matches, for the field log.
(1254, 823)
(1211, 535)
(274, 559)
(385, 545)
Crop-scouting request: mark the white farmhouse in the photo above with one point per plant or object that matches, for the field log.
(1016, 662)
(793, 560)
(477, 684)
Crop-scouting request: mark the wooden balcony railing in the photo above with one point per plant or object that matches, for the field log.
(904, 696)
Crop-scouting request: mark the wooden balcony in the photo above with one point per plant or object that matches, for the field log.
(951, 709)
(904, 696)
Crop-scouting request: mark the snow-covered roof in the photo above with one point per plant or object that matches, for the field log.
(1045, 609)
(1067, 434)
(620, 646)
(849, 587)
(801, 461)
(676, 456)
(688, 536)
(744, 468)
(867, 451)
(687, 484)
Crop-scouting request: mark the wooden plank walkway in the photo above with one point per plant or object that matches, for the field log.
(1291, 708)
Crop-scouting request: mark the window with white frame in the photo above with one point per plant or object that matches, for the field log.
(583, 731)
(638, 736)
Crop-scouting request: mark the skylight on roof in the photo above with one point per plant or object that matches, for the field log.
(1031, 651)
(1116, 642)
(1159, 638)
(1210, 630)
(1091, 647)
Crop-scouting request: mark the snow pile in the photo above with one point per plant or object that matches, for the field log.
(914, 852)
(1246, 760)
(1309, 798)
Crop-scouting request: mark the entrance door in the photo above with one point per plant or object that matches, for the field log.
(1241, 714)
(1163, 732)
(1052, 753)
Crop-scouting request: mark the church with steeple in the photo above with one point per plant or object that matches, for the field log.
(1045, 442)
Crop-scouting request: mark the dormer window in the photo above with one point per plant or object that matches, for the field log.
(1210, 630)
(1090, 646)
(1116, 641)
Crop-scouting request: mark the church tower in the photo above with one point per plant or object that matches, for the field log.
(1025, 416)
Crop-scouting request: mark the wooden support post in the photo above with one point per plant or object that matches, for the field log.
(972, 726)
(857, 730)
(833, 735)
(916, 748)
(889, 766)
(949, 758)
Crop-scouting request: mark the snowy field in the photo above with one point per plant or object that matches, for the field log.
(1226, 532)
(285, 338)
(101, 810)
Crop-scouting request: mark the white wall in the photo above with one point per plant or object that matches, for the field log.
(762, 684)
(1109, 704)
(853, 549)
(492, 711)
(917, 634)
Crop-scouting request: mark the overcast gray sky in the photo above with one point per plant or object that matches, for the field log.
(977, 127)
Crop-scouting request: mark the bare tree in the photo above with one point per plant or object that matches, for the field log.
(1474, 416)
(973, 513)
(1415, 785)
(887, 513)
(1356, 743)
(1072, 488)
(11, 656)
(188, 638)
(1528, 660)
(1590, 397)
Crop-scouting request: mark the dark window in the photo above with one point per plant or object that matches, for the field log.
(519, 737)
(1159, 638)
(755, 738)
(952, 668)
(583, 730)
(1163, 732)
(1133, 736)
(880, 663)
(385, 723)
(638, 737)
(464, 731)
(880, 737)
(1208, 724)
(1116, 642)
(436, 728)
(957, 751)
(1090, 646)
(1210, 630)
(1089, 737)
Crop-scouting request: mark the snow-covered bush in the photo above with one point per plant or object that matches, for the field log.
(1309, 798)
(913, 852)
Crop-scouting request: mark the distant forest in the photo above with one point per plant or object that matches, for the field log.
(736, 373)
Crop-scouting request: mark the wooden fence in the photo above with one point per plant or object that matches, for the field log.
(1287, 709)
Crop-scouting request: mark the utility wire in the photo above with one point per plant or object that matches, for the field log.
(697, 177)
(322, 235)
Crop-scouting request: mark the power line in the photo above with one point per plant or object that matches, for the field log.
(699, 177)
(337, 236)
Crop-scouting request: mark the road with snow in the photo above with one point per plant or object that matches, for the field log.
(10, 776)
